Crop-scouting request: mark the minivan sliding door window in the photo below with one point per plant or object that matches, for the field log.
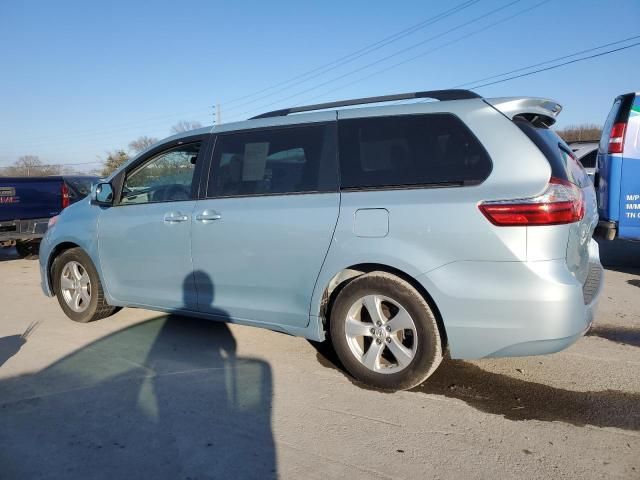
(275, 161)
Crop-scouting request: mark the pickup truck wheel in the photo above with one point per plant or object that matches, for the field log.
(384, 332)
(26, 249)
(78, 287)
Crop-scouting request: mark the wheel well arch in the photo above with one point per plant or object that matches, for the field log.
(55, 253)
(343, 277)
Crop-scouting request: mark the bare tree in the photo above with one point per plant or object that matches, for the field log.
(185, 126)
(114, 160)
(31, 166)
(576, 133)
(141, 143)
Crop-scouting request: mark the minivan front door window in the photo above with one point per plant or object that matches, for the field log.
(166, 178)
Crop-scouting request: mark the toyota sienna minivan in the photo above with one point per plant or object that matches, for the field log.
(399, 231)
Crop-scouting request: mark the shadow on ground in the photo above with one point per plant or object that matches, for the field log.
(622, 335)
(9, 346)
(167, 398)
(517, 399)
(7, 254)
(620, 255)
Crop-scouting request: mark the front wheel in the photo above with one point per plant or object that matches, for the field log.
(384, 332)
(78, 287)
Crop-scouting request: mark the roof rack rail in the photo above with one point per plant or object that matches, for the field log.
(452, 94)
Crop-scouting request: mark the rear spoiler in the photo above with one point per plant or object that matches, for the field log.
(533, 109)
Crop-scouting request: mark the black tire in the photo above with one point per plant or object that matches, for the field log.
(97, 306)
(428, 351)
(27, 249)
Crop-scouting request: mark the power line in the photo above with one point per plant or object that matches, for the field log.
(399, 52)
(99, 132)
(548, 61)
(361, 52)
(555, 66)
(123, 126)
(440, 47)
(130, 126)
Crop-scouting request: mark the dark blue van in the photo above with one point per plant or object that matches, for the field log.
(618, 170)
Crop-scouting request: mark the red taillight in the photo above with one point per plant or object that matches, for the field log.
(616, 138)
(562, 202)
(65, 195)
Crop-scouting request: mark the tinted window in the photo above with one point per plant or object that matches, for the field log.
(165, 178)
(79, 187)
(589, 160)
(410, 150)
(559, 155)
(275, 161)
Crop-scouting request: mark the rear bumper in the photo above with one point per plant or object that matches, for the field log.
(504, 309)
(23, 229)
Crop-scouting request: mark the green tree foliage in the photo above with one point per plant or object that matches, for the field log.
(113, 160)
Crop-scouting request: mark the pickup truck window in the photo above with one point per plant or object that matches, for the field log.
(166, 177)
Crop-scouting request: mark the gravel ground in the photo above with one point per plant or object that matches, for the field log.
(158, 396)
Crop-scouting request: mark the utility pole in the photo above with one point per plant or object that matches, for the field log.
(218, 114)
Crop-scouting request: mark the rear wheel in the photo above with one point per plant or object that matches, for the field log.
(384, 332)
(78, 287)
(27, 249)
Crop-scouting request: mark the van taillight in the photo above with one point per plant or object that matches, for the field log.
(65, 195)
(616, 138)
(561, 202)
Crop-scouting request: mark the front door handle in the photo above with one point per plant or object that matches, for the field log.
(175, 217)
(208, 216)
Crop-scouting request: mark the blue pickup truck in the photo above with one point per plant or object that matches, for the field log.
(27, 204)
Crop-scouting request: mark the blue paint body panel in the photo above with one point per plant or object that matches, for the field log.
(610, 172)
(619, 177)
(629, 221)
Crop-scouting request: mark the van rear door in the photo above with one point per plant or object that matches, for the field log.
(618, 169)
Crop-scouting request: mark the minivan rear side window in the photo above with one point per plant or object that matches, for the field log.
(410, 150)
(300, 159)
(562, 160)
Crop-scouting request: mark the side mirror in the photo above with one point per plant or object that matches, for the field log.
(103, 194)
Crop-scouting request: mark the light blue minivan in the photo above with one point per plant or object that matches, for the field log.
(401, 231)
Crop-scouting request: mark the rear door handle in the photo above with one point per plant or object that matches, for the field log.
(175, 217)
(208, 216)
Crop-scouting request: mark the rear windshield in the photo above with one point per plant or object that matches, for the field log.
(80, 187)
(410, 150)
(562, 160)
